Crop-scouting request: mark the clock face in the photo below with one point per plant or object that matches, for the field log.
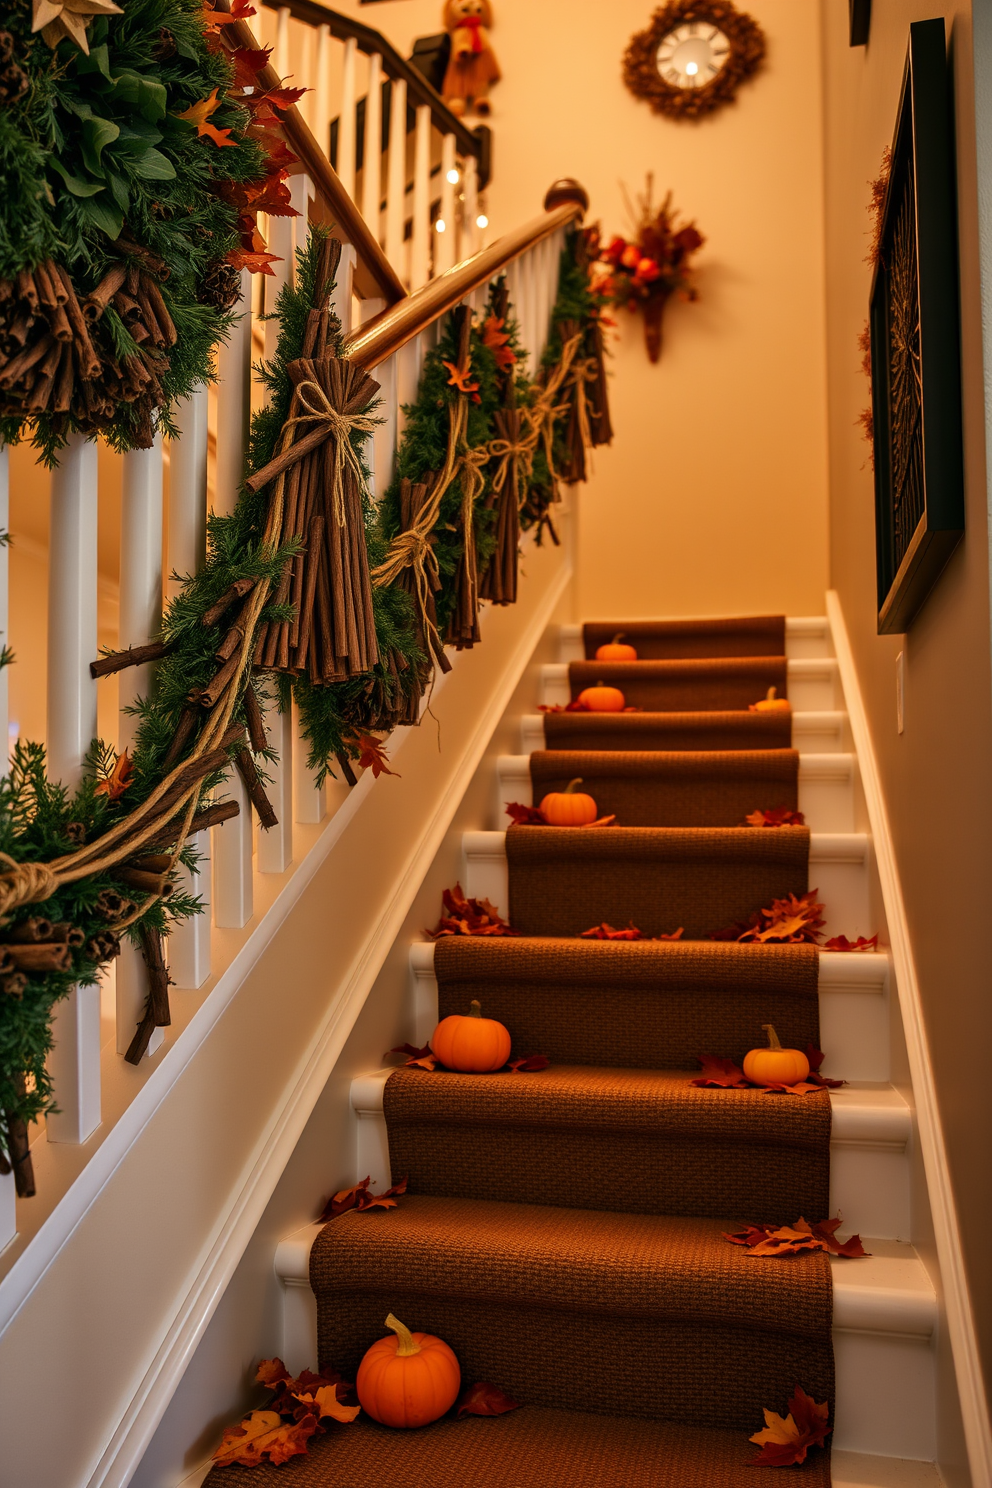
(692, 54)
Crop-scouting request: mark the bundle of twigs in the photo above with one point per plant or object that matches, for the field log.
(49, 362)
(511, 462)
(462, 630)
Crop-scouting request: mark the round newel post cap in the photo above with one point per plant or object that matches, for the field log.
(566, 190)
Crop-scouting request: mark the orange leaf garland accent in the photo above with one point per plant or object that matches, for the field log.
(214, 19)
(782, 1240)
(116, 783)
(498, 341)
(841, 943)
(463, 916)
(785, 1442)
(199, 113)
(461, 372)
(484, 1400)
(373, 756)
(360, 1198)
(779, 816)
(607, 932)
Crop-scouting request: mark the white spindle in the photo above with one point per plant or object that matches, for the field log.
(372, 147)
(342, 300)
(232, 844)
(384, 436)
(280, 55)
(188, 491)
(445, 234)
(275, 845)
(396, 177)
(189, 942)
(409, 360)
(8, 1209)
(470, 207)
(309, 803)
(420, 254)
(322, 93)
(72, 724)
(4, 632)
(346, 118)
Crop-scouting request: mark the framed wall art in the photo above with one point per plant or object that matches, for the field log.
(860, 18)
(915, 344)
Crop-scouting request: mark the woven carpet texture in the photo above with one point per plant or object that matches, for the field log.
(668, 731)
(663, 640)
(682, 686)
(682, 789)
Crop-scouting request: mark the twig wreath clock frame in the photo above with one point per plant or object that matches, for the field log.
(693, 57)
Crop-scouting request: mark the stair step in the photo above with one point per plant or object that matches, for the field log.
(823, 731)
(826, 789)
(838, 868)
(805, 635)
(813, 684)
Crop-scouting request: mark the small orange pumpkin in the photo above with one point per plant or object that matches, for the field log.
(569, 808)
(474, 1045)
(603, 699)
(614, 651)
(770, 703)
(775, 1065)
(408, 1380)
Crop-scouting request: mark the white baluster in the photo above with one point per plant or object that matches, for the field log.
(275, 845)
(383, 444)
(309, 803)
(470, 207)
(409, 360)
(189, 942)
(8, 1209)
(322, 93)
(372, 147)
(4, 630)
(342, 300)
(346, 118)
(74, 1062)
(280, 55)
(420, 254)
(445, 234)
(232, 843)
(396, 177)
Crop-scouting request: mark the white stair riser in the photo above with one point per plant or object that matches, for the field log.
(826, 790)
(818, 732)
(838, 869)
(805, 635)
(886, 1394)
(870, 1187)
(812, 684)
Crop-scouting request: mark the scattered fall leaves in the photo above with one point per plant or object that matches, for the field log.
(785, 1442)
(778, 816)
(461, 373)
(198, 114)
(782, 1240)
(484, 1400)
(426, 1059)
(308, 1400)
(841, 943)
(117, 781)
(529, 1064)
(578, 707)
(373, 756)
(360, 1197)
(463, 916)
(609, 932)
(791, 921)
(533, 816)
(724, 1074)
(498, 341)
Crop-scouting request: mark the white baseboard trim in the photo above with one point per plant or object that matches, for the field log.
(957, 1302)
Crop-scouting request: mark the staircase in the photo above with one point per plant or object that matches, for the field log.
(563, 1229)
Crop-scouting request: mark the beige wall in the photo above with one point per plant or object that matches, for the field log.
(935, 775)
(713, 496)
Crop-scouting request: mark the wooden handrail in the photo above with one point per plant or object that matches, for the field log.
(375, 276)
(373, 342)
(419, 90)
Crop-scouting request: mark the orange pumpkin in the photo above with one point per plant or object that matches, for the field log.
(603, 699)
(569, 808)
(770, 703)
(473, 1044)
(614, 651)
(775, 1065)
(408, 1380)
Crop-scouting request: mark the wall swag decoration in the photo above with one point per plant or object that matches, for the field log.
(693, 57)
(914, 322)
(642, 274)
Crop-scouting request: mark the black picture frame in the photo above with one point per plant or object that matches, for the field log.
(914, 316)
(860, 17)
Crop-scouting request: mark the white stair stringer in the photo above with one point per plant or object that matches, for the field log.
(813, 683)
(805, 636)
(817, 731)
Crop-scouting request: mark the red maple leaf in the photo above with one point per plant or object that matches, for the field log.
(116, 783)
(816, 1057)
(778, 816)
(608, 932)
(468, 917)
(498, 341)
(529, 1064)
(719, 1074)
(255, 263)
(484, 1400)
(360, 1198)
(461, 372)
(841, 943)
(372, 756)
(525, 816)
(214, 19)
(784, 1442)
(766, 1240)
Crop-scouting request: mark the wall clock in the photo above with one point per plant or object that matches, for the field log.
(693, 57)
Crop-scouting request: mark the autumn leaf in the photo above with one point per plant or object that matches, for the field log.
(264, 1434)
(718, 1073)
(412, 1050)
(248, 63)
(841, 943)
(460, 374)
(372, 756)
(198, 115)
(779, 816)
(724, 1074)
(325, 1403)
(214, 19)
(675, 935)
(608, 932)
(116, 783)
(282, 98)
(528, 1065)
(791, 921)
(254, 262)
(783, 1240)
(484, 1400)
(497, 340)
(816, 1057)
(525, 816)
(784, 1442)
(463, 916)
(359, 1197)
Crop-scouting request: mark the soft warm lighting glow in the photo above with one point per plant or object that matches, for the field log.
(440, 225)
(482, 220)
(691, 68)
(453, 177)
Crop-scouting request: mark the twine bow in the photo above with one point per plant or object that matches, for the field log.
(341, 426)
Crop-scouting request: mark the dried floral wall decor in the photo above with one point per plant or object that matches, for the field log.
(135, 153)
(914, 322)
(308, 588)
(693, 57)
(642, 273)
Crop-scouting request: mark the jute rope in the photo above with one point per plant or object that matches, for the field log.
(341, 425)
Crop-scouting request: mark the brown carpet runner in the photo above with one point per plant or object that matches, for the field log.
(687, 789)
(631, 1141)
(668, 731)
(578, 1309)
(531, 1448)
(657, 640)
(562, 880)
(684, 686)
(633, 1004)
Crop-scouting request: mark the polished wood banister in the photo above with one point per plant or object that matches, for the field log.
(373, 342)
(375, 276)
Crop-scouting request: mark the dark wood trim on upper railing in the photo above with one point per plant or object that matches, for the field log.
(375, 276)
(373, 342)
(419, 90)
